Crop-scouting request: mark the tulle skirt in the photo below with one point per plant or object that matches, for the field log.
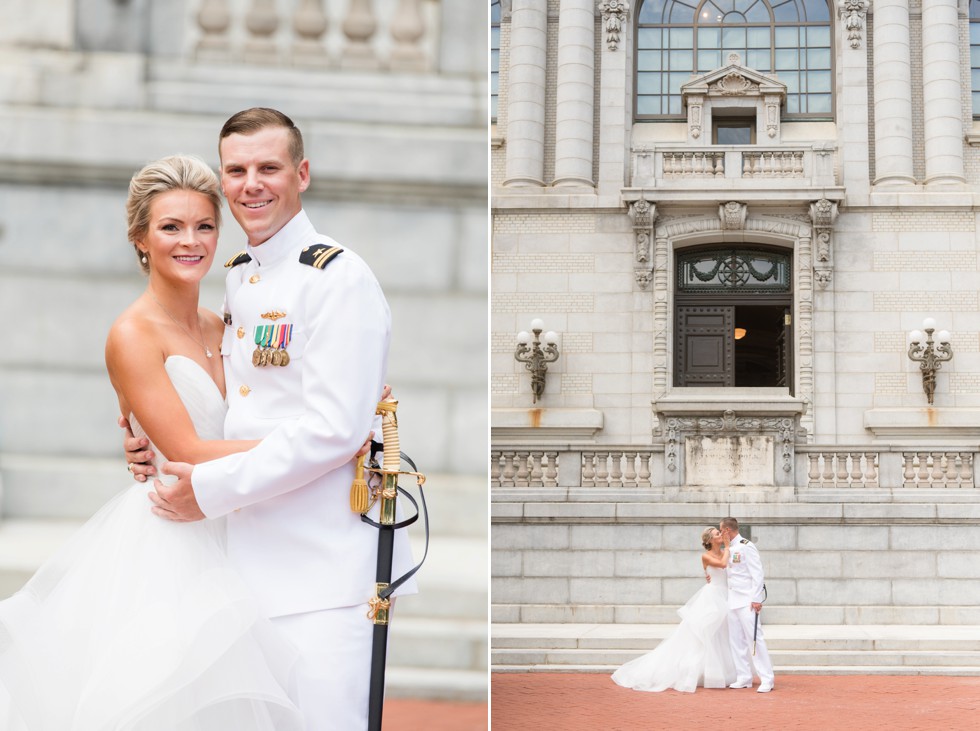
(695, 653)
(140, 624)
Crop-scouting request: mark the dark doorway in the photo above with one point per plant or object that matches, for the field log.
(758, 351)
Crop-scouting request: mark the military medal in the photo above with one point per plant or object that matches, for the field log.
(271, 342)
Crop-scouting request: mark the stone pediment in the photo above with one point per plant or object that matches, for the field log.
(733, 87)
(733, 80)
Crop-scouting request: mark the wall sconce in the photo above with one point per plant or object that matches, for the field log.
(930, 357)
(534, 356)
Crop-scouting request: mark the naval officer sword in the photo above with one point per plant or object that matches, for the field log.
(362, 498)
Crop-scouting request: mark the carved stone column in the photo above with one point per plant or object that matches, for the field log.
(408, 30)
(575, 91)
(893, 94)
(803, 330)
(942, 91)
(823, 213)
(615, 96)
(526, 89)
(359, 28)
(643, 213)
(661, 315)
(855, 159)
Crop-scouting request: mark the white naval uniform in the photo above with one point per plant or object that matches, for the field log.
(291, 531)
(745, 582)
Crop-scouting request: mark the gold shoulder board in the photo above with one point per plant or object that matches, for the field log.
(240, 258)
(319, 255)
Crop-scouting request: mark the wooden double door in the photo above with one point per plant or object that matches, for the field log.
(738, 343)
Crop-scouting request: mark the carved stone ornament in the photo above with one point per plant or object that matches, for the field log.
(643, 213)
(730, 424)
(733, 215)
(695, 115)
(614, 15)
(823, 213)
(853, 14)
(733, 84)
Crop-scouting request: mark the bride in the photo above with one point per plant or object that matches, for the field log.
(697, 652)
(138, 623)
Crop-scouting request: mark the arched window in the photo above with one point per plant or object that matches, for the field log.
(733, 309)
(789, 38)
(494, 56)
(975, 55)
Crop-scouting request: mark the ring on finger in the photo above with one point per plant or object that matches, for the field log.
(130, 467)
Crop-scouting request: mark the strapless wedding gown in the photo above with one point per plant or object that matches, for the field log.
(695, 653)
(140, 624)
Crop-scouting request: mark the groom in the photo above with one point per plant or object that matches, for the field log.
(291, 533)
(745, 596)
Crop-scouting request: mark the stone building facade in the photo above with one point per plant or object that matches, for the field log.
(391, 96)
(732, 214)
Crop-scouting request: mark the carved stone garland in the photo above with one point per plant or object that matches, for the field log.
(614, 15)
(643, 213)
(823, 213)
(730, 424)
(853, 14)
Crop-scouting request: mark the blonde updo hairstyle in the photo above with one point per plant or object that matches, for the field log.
(178, 172)
(706, 537)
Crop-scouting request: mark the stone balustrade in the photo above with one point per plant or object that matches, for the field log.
(350, 34)
(810, 165)
(816, 467)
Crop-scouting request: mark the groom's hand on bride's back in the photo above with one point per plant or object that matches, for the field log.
(137, 453)
(176, 501)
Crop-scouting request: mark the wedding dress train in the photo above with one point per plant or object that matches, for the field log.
(140, 624)
(695, 653)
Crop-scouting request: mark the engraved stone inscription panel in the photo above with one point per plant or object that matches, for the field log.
(729, 461)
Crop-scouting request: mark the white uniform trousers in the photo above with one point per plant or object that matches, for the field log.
(331, 684)
(741, 624)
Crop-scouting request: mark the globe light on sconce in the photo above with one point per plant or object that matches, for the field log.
(534, 356)
(929, 356)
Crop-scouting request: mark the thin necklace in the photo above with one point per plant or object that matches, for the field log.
(207, 350)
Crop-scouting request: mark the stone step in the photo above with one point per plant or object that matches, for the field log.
(965, 671)
(775, 614)
(794, 648)
(809, 658)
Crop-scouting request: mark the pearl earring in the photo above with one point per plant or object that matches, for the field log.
(144, 259)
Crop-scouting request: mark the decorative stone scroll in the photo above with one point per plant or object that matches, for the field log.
(853, 14)
(643, 213)
(823, 213)
(614, 14)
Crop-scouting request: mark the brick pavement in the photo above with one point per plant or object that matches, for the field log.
(589, 702)
(418, 715)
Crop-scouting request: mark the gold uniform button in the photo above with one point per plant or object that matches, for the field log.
(241, 333)
(254, 278)
(244, 390)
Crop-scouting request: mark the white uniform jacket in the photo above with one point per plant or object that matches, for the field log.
(745, 577)
(291, 532)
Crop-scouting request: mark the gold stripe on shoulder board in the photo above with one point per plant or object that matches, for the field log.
(321, 259)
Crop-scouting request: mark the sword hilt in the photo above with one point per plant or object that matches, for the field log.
(391, 461)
